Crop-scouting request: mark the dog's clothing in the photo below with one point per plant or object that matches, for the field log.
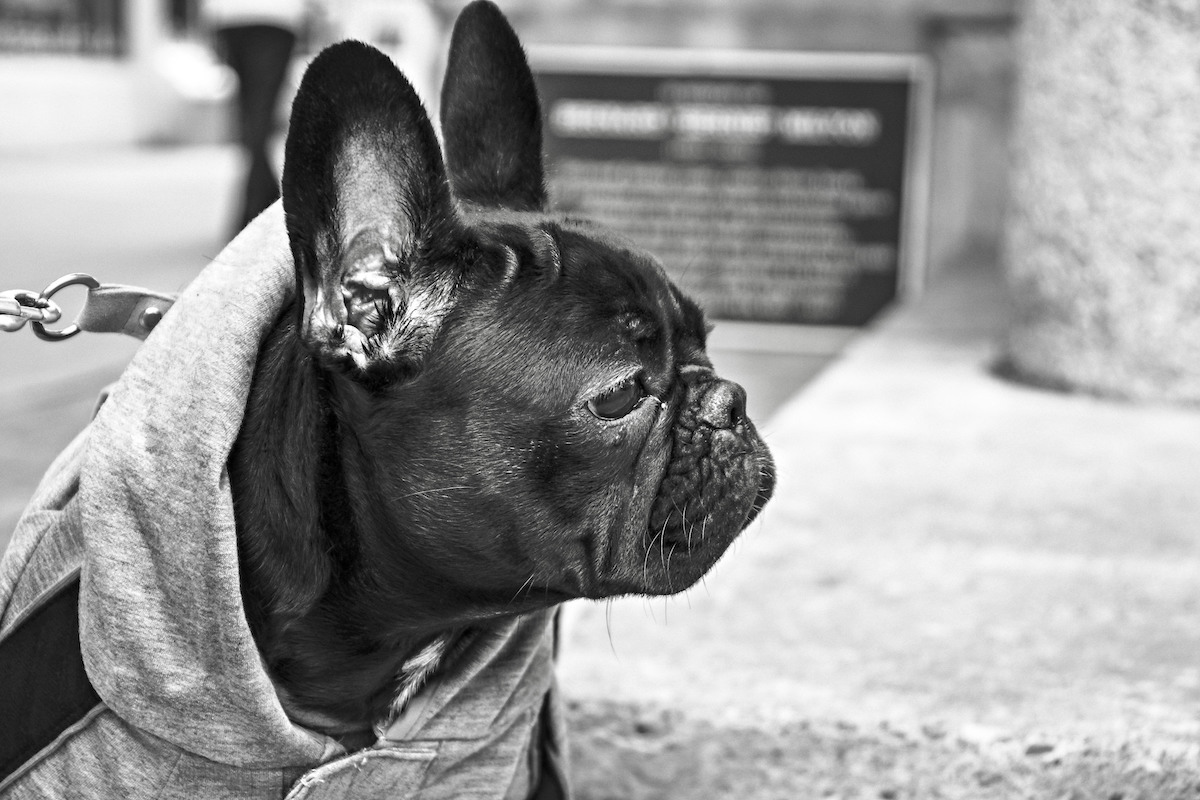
(139, 507)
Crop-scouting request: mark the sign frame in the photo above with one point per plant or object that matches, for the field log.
(914, 68)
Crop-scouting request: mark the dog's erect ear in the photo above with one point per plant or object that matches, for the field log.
(491, 120)
(364, 193)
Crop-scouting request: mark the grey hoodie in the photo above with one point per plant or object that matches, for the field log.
(139, 507)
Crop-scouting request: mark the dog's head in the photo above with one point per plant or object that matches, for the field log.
(533, 414)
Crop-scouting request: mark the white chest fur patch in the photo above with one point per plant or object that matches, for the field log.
(413, 674)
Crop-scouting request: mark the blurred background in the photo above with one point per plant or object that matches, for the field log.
(980, 576)
(119, 140)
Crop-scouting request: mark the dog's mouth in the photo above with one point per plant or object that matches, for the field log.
(701, 477)
(716, 482)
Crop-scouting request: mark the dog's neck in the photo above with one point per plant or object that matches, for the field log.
(339, 661)
(413, 675)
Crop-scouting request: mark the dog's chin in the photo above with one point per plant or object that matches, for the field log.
(717, 482)
(688, 528)
(672, 567)
(694, 488)
(683, 547)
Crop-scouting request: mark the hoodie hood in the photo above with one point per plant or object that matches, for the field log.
(139, 508)
(164, 638)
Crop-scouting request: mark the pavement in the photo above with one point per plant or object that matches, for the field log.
(946, 550)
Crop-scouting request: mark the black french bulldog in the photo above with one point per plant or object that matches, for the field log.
(476, 407)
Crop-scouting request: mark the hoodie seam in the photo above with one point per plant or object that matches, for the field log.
(44, 598)
(44, 532)
(166, 784)
(46, 752)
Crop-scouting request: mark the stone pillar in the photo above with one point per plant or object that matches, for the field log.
(1103, 235)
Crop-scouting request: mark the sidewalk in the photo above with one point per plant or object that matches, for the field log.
(972, 566)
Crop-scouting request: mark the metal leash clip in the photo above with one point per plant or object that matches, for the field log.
(109, 308)
(41, 309)
(18, 306)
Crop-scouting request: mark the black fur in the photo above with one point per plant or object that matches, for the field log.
(365, 197)
(486, 60)
(418, 456)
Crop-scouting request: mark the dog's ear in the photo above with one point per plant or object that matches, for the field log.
(491, 119)
(365, 195)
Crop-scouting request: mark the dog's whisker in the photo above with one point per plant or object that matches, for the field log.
(648, 608)
(646, 560)
(608, 606)
(424, 492)
(690, 530)
(662, 542)
(526, 587)
(650, 548)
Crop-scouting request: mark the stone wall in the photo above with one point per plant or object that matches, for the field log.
(1103, 251)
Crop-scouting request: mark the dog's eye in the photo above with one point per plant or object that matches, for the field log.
(618, 401)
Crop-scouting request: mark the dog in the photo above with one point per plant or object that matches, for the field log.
(472, 410)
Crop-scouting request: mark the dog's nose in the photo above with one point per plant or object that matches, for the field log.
(724, 406)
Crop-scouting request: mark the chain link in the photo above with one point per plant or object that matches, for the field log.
(19, 306)
(75, 278)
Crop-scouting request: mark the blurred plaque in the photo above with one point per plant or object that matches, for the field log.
(63, 27)
(775, 187)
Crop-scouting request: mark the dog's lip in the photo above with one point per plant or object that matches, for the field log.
(686, 545)
(676, 556)
(699, 537)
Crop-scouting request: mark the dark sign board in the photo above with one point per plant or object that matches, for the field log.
(774, 187)
(64, 27)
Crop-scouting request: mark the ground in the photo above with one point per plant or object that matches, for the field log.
(649, 754)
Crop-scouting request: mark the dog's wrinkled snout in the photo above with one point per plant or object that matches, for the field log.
(723, 406)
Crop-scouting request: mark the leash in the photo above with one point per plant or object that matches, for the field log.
(108, 308)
